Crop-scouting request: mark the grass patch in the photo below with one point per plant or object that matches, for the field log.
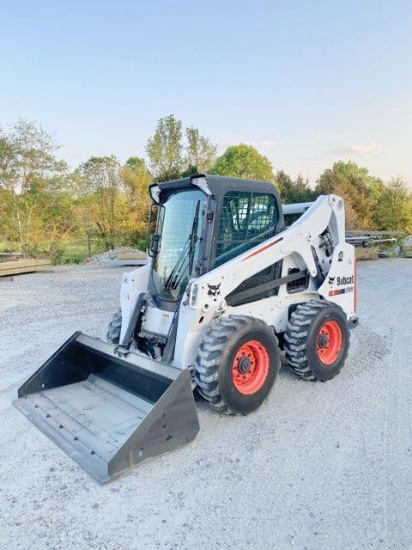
(72, 252)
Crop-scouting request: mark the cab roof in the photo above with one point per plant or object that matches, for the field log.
(211, 185)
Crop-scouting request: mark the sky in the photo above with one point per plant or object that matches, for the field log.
(306, 82)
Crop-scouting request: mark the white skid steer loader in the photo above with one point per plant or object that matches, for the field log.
(233, 281)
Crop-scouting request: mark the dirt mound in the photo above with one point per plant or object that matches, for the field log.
(115, 254)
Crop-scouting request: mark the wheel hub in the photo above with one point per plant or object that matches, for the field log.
(323, 341)
(244, 365)
(329, 342)
(250, 367)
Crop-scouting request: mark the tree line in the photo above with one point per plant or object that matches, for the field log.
(103, 203)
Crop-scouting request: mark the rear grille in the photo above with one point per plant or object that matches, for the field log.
(299, 285)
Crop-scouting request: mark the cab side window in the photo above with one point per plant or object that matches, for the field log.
(247, 219)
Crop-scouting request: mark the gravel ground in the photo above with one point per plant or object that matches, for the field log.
(318, 466)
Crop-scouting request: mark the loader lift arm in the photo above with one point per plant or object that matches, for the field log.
(300, 240)
(326, 211)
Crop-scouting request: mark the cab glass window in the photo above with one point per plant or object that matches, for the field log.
(247, 219)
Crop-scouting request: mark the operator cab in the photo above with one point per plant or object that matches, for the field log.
(203, 222)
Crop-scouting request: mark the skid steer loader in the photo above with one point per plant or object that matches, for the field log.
(234, 279)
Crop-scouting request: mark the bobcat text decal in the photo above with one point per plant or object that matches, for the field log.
(345, 282)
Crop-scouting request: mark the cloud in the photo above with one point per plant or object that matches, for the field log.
(356, 150)
(258, 144)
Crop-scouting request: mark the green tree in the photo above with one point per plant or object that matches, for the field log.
(35, 156)
(7, 233)
(8, 161)
(200, 152)
(136, 180)
(394, 209)
(171, 156)
(165, 149)
(136, 164)
(28, 170)
(360, 191)
(294, 191)
(58, 218)
(244, 161)
(100, 185)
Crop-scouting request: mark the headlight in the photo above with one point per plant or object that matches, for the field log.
(193, 295)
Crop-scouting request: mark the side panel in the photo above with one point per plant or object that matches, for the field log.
(157, 321)
(340, 284)
(133, 284)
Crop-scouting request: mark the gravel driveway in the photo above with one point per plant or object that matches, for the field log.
(319, 466)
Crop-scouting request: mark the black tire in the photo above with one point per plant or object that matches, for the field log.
(237, 364)
(114, 328)
(317, 340)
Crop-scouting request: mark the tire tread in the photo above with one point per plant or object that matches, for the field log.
(296, 338)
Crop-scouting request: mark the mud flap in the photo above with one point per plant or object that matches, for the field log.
(108, 410)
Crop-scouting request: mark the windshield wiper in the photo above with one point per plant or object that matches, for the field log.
(187, 255)
(193, 239)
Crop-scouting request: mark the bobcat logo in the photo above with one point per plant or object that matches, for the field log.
(214, 290)
(340, 256)
(331, 280)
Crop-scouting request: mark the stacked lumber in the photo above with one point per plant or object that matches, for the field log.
(407, 247)
(367, 253)
(18, 267)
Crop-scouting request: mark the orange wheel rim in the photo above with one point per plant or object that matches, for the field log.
(250, 367)
(329, 342)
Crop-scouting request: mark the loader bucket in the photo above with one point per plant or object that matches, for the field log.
(108, 410)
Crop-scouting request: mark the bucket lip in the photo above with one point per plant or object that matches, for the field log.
(94, 465)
